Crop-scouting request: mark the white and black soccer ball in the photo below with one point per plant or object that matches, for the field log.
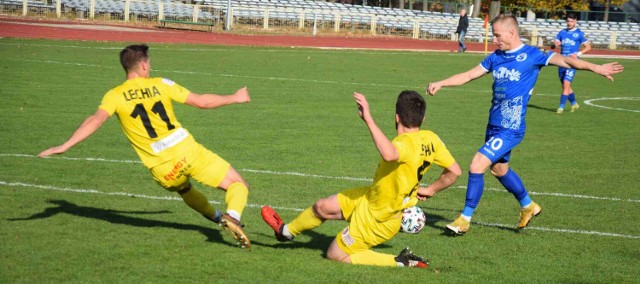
(413, 220)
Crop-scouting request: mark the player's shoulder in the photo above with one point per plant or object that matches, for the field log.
(163, 81)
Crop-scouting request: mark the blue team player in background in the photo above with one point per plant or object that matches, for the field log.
(570, 40)
(515, 68)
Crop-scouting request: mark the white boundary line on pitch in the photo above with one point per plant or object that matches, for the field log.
(457, 89)
(93, 191)
(288, 173)
(590, 102)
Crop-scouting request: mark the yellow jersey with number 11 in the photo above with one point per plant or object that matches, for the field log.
(145, 109)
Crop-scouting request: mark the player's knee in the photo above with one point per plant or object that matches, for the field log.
(499, 171)
(319, 209)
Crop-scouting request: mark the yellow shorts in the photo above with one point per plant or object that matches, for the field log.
(195, 161)
(364, 231)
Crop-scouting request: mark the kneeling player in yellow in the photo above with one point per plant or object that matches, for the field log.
(374, 212)
(145, 112)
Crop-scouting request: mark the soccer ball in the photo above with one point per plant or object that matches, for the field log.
(413, 219)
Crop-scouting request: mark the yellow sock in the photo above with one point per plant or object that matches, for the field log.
(196, 200)
(305, 221)
(369, 257)
(236, 198)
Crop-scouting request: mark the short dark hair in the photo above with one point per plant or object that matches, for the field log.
(572, 16)
(131, 55)
(410, 108)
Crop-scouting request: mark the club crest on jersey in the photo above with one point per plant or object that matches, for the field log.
(521, 57)
(503, 74)
(575, 35)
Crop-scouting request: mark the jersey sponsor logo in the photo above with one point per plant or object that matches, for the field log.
(139, 94)
(568, 42)
(346, 237)
(178, 170)
(521, 57)
(503, 74)
(169, 141)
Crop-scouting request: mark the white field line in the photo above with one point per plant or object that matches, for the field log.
(305, 175)
(93, 191)
(591, 103)
(456, 90)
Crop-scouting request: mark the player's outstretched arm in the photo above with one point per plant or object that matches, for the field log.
(456, 80)
(606, 70)
(207, 101)
(446, 179)
(88, 127)
(384, 145)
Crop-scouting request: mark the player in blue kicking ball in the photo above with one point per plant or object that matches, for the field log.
(515, 68)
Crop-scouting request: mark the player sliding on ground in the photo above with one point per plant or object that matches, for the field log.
(145, 112)
(515, 68)
(374, 212)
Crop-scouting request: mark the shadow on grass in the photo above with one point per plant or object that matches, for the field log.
(120, 217)
(432, 219)
(542, 108)
(317, 241)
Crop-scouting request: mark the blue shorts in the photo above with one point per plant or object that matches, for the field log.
(499, 143)
(566, 74)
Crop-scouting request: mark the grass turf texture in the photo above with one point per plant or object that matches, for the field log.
(303, 119)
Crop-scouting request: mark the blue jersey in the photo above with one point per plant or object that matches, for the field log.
(570, 40)
(515, 73)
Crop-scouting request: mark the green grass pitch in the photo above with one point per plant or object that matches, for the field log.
(95, 214)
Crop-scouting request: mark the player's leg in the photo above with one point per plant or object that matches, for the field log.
(237, 193)
(334, 207)
(212, 170)
(512, 182)
(568, 90)
(354, 243)
(566, 78)
(497, 143)
(170, 175)
(198, 202)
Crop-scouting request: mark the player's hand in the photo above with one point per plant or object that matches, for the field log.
(242, 95)
(363, 106)
(433, 88)
(52, 151)
(424, 193)
(609, 69)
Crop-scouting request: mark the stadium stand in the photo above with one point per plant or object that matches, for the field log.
(267, 14)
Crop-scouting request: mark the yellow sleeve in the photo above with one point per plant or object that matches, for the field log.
(178, 93)
(401, 148)
(108, 103)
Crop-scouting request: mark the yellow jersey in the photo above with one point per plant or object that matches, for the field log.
(395, 184)
(145, 110)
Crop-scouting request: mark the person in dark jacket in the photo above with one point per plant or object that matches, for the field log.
(463, 24)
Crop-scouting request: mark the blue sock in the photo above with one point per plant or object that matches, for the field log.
(572, 98)
(563, 100)
(512, 182)
(475, 186)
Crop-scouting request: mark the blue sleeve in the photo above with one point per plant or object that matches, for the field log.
(487, 62)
